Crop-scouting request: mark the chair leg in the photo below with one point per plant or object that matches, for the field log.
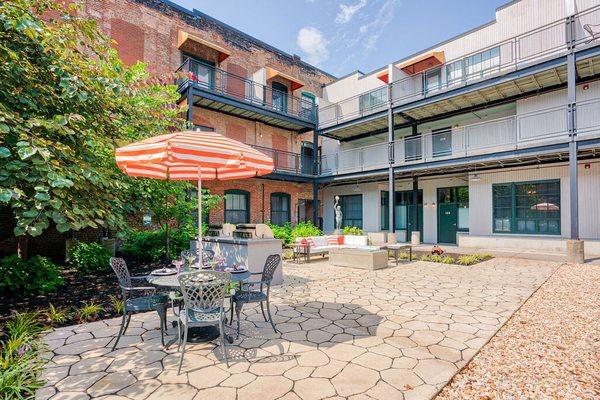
(121, 331)
(269, 313)
(185, 333)
(223, 347)
(127, 324)
(231, 319)
(238, 311)
(162, 313)
(178, 334)
(262, 308)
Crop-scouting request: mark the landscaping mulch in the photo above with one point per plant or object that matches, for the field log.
(549, 349)
(77, 289)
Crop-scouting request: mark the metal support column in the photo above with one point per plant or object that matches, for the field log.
(415, 196)
(391, 159)
(315, 217)
(190, 102)
(572, 128)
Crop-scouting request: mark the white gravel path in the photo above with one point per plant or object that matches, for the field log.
(549, 349)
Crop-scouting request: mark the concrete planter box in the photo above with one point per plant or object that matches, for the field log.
(359, 258)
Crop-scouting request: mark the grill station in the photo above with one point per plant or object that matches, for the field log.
(252, 231)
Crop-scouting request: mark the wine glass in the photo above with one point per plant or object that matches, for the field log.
(177, 264)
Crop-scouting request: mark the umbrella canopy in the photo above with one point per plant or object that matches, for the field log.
(194, 156)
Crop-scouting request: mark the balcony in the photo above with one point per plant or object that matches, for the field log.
(289, 163)
(469, 80)
(523, 131)
(219, 90)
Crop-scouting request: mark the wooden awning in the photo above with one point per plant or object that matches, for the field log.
(272, 72)
(422, 62)
(186, 39)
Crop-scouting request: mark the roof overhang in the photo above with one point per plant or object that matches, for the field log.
(422, 62)
(384, 76)
(184, 39)
(272, 73)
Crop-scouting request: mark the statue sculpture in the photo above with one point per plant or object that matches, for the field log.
(338, 215)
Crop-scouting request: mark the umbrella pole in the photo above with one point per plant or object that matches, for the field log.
(199, 245)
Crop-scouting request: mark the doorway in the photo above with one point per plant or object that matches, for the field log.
(453, 213)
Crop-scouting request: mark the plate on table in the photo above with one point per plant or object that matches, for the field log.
(164, 272)
(237, 270)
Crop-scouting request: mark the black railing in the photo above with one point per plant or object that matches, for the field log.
(289, 162)
(216, 80)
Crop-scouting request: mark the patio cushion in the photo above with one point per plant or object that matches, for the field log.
(319, 249)
(333, 239)
(319, 240)
(355, 240)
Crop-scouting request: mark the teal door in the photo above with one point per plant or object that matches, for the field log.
(448, 222)
(453, 213)
(411, 226)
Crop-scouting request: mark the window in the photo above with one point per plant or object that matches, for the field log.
(433, 80)
(413, 149)
(279, 96)
(280, 208)
(482, 64)
(454, 73)
(385, 220)
(307, 106)
(237, 206)
(442, 142)
(203, 72)
(373, 99)
(527, 208)
(351, 210)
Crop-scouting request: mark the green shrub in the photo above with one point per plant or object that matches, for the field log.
(435, 258)
(425, 257)
(352, 230)
(151, 245)
(483, 256)
(21, 364)
(89, 258)
(56, 315)
(467, 260)
(305, 229)
(403, 256)
(89, 311)
(282, 232)
(35, 276)
(448, 260)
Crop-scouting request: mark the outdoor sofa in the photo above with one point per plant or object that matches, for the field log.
(320, 245)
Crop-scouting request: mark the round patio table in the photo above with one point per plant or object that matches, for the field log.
(196, 334)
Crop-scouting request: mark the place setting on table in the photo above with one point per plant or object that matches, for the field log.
(167, 278)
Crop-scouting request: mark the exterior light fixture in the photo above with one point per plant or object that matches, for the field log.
(475, 178)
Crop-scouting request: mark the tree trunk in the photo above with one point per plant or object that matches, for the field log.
(23, 247)
(167, 240)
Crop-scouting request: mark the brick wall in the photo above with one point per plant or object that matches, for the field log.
(260, 194)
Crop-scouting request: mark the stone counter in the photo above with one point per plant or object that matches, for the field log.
(250, 252)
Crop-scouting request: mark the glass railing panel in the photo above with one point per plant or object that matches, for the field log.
(541, 125)
(588, 118)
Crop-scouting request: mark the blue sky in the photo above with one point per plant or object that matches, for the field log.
(341, 36)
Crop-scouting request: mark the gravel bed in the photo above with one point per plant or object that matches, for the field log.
(549, 349)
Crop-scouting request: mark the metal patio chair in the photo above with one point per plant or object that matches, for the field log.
(247, 295)
(203, 296)
(135, 304)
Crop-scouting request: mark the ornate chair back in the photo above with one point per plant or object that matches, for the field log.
(120, 267)
(204, 291)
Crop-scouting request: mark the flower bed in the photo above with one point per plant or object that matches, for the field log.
(449, 258)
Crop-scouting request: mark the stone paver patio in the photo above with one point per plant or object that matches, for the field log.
(397, 333)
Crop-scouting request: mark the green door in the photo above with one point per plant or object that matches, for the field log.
(447, 222)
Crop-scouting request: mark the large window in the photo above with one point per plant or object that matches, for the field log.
(279, 96)
(527, 208)
(280, 208)
(433, 80)
(203, 72)
(482, 64)
(237, 206)
(351, 210)
(373, 99)
(307, 106)
(454, 72)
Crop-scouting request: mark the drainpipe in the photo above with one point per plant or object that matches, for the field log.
(262, 211)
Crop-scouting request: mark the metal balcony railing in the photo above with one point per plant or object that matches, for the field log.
(216, 80)
(526, 49)
(538, 128)
(289, 162)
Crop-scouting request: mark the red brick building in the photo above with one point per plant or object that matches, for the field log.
(240, 86)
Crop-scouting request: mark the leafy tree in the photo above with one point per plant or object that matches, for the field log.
(66, 103)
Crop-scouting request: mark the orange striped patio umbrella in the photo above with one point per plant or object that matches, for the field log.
(194, 156)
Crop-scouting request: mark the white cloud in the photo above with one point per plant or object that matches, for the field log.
(312, 42)
(377, 26)
(347, 11)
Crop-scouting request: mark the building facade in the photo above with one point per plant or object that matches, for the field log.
(488, 139)
(240, 87)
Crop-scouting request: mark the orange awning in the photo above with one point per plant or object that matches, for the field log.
(384, 76)
(272, 72)
(185, 37)
(422, 62)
